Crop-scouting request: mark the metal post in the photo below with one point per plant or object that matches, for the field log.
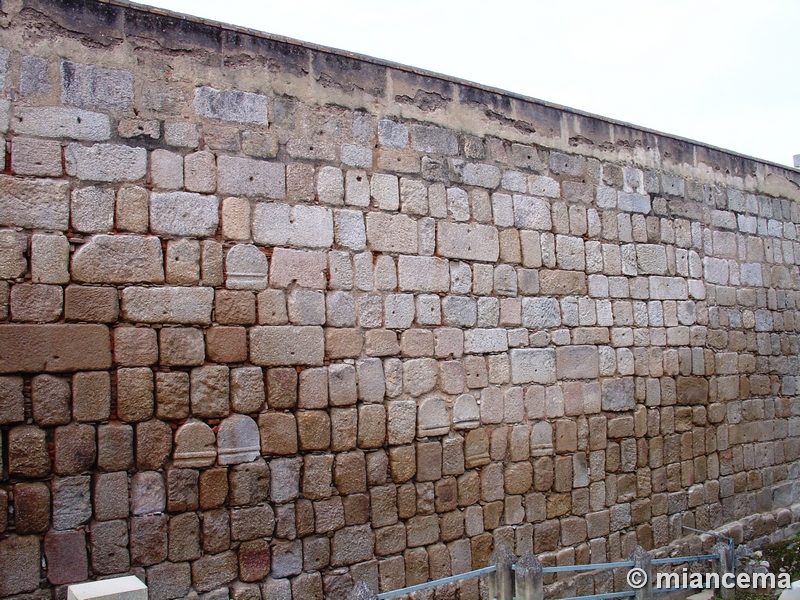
(725, 564)
(528, 578)
(641, 560)
(501, 582)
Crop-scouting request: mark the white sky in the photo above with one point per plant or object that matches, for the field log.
(723, 73)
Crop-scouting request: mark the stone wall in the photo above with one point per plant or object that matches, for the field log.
(275, 318)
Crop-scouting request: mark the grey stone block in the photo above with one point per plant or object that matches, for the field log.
(72, 505)
(92, 210)
(41, 158)
(34, 203)
(423, 274)
(184, 214)
(392, 233)
(284, 225)
(49, 259)
(287, 345)
(33, 78)
(89, 86)
(435, 140)
(106, 162)
(392, 134)
(13, 247)
(251, 177)
(119, 259)
(350, 230)
(398, 311)
(532, 213)
(230, 105)
(246, 268)
(357, 156)
(482, 341)
(467, 241)
(58, 122)
(533, 365)
(168, 305)
(540, 313)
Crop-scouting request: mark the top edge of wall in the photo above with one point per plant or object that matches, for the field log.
(570, 129)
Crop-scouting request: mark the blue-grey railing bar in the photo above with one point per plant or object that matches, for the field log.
(681, 559)
(438, 582)
(559, 569)
(589, 567)
(603, 596)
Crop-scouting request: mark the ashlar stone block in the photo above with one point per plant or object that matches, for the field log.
(247, 268)
(238, 440)
(195, 446)
(119, 259)
(433, 418)
(299, 226)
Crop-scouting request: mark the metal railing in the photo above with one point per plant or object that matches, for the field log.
(510, 578)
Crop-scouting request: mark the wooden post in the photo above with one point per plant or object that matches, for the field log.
(528, 578)
(641, 560)
(501, 581)
(725, 565)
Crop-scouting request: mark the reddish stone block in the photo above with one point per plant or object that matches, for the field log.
(67, 561)
(31, 507)
(55, 348)
(278, 433)
(254, 560)
(226, 344)
(91, 304)
(281, 388)
(75, 449)
(148, 540)
(27, 452)
(234, 307)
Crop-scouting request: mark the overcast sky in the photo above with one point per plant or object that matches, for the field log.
(723, 73)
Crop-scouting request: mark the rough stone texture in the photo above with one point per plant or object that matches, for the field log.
(119, 259)
(184, 214)
(356, 346)
(34, 203)
(54, 348)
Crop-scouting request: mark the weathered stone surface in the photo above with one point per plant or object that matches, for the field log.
(21, 560)
(106, 162)
(90, 86)
(13, 248)
(72, 504)
(167, 305)
(184, 214)
(50, 400)
(617, 394)
(195, 445)
(246, 268)
(391, 233)
(93, 304)
(433, 419)
(287, 345)
(210, 391)
(49, 259)
(533, 365)
(467, 242)
(284, 225)
(119, 259)
(91, 396)
(12, 402)
(31, 508)
(54, 348)
(65, 552)
(230, 105)
(237, 440)
(58, 122)
(34, 203)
